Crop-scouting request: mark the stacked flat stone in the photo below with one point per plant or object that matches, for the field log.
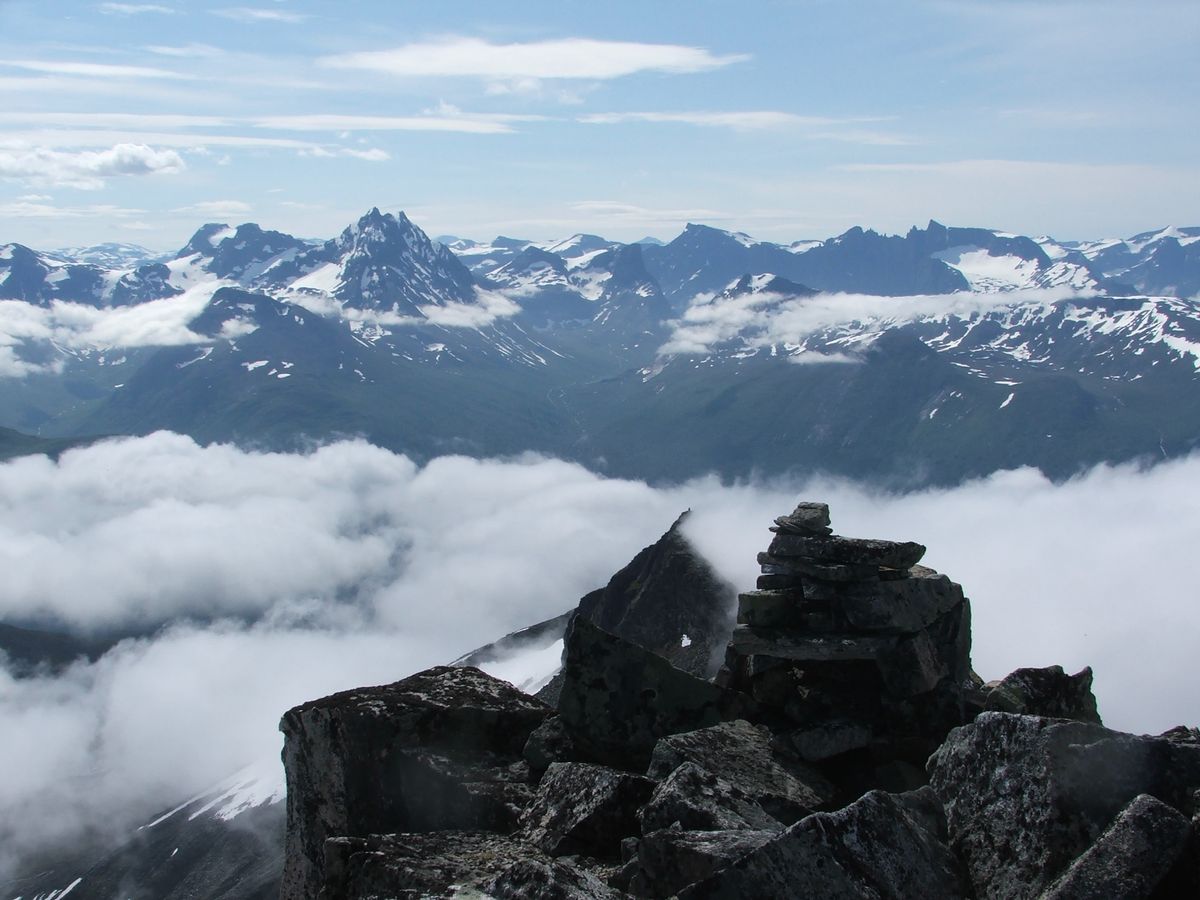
(850, 645)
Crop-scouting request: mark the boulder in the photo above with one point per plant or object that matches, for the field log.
(618, 699)
(749, 759)
(830, 738)
(671, 859)
(1025, 795)
(1049, 692)
(584, 808)
(1130, 858)
(875, 847)
(697, 800)
(539, 879)
(549, 743)
(438, 750)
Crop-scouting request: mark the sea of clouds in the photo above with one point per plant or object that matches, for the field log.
(267, 579)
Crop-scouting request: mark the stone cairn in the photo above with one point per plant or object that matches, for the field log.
(852, 650)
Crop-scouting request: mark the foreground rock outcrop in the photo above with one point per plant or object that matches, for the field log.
(845, 749)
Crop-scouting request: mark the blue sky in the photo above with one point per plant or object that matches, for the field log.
(139, 121)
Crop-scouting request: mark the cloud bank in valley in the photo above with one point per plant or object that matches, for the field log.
(268, 579)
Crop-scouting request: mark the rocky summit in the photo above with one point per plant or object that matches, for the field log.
(845, 749)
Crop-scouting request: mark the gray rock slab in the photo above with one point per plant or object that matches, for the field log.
(671, 859)
(1130, 858)
(1025, 795)
(840, 550)
(875, 847)
(749, 758)
(697, 800)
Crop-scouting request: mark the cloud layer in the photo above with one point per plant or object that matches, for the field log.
(268, 579)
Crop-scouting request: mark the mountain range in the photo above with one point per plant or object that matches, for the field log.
(924, 358)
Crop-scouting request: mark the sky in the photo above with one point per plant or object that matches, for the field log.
(257, 597)
(785, 119)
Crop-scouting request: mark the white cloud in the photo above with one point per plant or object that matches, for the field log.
(253, 15)
(564, 58)
(90, 70)
(86, 169)
(358, 567)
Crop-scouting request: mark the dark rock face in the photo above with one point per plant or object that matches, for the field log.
(1025, 795)
(669, 601)
(1047, 692)
(617, 699)
(583, 808)
(1130, 858)
(873, 848)
(748, 758)
(439, 750)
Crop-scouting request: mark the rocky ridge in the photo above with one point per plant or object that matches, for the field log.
(803, 768)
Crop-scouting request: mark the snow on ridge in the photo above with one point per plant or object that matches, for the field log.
(260, 783)
(529, 669)
(744, 325)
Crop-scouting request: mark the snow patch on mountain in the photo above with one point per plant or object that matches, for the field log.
(1094, 334)
(988, 273)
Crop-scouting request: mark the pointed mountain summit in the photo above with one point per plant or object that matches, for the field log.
(382, 262)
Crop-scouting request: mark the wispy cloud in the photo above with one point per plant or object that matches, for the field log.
(819, 127)
(86, 169)
(112, 120)
(743, 120)
(91, 70)
(375, 154)
(571, 58)
(134, 9)
(36, 206)
(466, 123)
(218, 208)
(185, 51)
(256, 14)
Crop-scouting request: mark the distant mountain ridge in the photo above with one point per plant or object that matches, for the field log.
(930, 356)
